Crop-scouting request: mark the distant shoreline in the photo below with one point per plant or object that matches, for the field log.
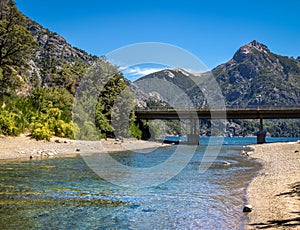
(274, 193)
(25, 148)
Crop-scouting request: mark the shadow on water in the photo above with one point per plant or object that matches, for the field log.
(291, 222)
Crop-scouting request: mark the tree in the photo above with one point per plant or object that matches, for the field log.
(16, 45)
(122, 115)
(106, 101)
(103, 104)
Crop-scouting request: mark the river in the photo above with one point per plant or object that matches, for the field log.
(64, 193)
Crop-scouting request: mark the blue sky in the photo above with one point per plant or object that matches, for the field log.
(211, 30)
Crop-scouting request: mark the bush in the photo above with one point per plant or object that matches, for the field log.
(7, 123)
(63, 129)
(135, 131)
(41, 131)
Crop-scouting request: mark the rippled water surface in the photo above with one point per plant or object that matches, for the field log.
(64, 193)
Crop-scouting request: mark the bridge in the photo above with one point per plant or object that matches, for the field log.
(194, 113)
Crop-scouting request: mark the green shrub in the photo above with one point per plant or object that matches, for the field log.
(7, 123)
(135, 131)
(63, 129)
(41, 131)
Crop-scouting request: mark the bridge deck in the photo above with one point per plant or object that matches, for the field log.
(194, 113)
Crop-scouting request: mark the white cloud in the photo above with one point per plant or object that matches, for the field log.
(135, 72)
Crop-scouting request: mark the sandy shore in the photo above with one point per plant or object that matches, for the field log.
(275, 192)
(24, 147)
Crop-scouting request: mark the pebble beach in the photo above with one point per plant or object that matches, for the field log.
(274, 193)
(24, 147)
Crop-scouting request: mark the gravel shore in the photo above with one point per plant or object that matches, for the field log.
(24, 147)
(275, 192)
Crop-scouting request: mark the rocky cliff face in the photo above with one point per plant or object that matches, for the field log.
(54, 45)
(52, 54)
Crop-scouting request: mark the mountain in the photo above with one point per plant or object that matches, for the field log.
(253, 77)
(174, 86)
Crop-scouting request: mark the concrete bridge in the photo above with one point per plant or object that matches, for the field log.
(193, 114)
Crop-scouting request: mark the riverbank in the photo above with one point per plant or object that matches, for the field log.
(24, 147)
(275, 192)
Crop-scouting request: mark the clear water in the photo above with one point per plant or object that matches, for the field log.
(64, 193)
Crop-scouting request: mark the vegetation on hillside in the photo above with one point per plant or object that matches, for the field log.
(38, 83)
(16, 48)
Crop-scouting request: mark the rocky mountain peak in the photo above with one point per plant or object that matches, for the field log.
(169, 73)
(257, 45)
(182, 71)
(249, 50)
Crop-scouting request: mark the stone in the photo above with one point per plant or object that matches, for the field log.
(247, 208)
(50, 154)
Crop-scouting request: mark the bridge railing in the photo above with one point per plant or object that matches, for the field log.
(249, 108)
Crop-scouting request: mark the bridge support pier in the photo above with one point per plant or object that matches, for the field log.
(193, 138)
(261, 135)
